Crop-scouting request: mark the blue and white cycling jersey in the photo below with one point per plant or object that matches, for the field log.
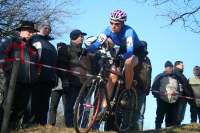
(127, 37)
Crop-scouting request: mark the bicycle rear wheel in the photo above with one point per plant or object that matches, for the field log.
(124, 110)
(87, 106)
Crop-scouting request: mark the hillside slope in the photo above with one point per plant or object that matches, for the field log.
(192, 128)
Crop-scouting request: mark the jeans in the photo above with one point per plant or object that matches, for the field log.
(71, 96)
(55, 99)
(140, 111)
(182, 103)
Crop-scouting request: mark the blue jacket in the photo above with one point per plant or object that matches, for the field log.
(127, 37)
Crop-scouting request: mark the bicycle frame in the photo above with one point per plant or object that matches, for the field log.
(96, 85)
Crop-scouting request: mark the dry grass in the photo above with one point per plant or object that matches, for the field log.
(192, 128)
(49, 129)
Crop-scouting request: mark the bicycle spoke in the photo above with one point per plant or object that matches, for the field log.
(87, 107)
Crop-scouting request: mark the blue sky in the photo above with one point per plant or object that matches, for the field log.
(164, 42)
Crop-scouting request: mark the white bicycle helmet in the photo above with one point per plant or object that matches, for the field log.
(118, 15)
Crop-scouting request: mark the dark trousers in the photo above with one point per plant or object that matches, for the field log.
(195, 112)
(181, 104)
(38, 105)
(71, 95)
(20, 101)
(139, 114)
(55, 99)
(167, 111)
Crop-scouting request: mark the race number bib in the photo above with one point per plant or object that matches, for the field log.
(102, 38)
(129, 42)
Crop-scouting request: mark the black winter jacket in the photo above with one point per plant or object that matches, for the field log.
(157, 82)
(184, 82)
(48, 56)
(68, 58)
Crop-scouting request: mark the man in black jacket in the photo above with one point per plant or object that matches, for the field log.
(143, 77)
(164, 85)
(27, 75)
(69, 58)
(56, 95)
(185, 90)
(40, 95)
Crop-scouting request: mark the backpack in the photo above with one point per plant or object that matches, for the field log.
(169, 89)
(143, 75)
(195, 84)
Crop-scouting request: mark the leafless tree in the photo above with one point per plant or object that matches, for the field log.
(184, 12)
(13, 11)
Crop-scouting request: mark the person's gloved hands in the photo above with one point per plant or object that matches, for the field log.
(118, 60)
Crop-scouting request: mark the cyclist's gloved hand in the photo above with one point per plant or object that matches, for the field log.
(117, 60)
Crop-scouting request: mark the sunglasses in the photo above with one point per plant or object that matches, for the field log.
(117, 24)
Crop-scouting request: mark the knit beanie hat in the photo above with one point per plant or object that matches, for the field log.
(45, 23)
(168, 64)
(196, 71)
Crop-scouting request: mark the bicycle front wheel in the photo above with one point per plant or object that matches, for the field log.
(87, 106)
(125, 108)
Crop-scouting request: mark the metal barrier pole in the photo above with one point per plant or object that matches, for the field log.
(10, 95)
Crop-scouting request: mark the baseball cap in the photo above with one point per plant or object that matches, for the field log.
(76, 33)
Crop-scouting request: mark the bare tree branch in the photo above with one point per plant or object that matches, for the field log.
(183, 15)
(185, 12)
(13, 11)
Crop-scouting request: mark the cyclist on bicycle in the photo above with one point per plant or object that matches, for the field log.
(124, 36)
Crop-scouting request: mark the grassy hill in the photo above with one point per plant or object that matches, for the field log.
(192, 128)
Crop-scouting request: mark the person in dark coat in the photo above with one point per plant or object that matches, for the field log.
(194, 82)
(143, 77)
(57, 93)
(69, 58)
(163, 86)
(40, 95)
(27, 75)
(184, 88)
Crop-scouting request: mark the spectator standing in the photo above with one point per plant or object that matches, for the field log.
(184, 90)
(143, 77)
(194, 82)
(164, 87)
(56, 95)
(39, 102)
(27, 75)
(69, 58)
